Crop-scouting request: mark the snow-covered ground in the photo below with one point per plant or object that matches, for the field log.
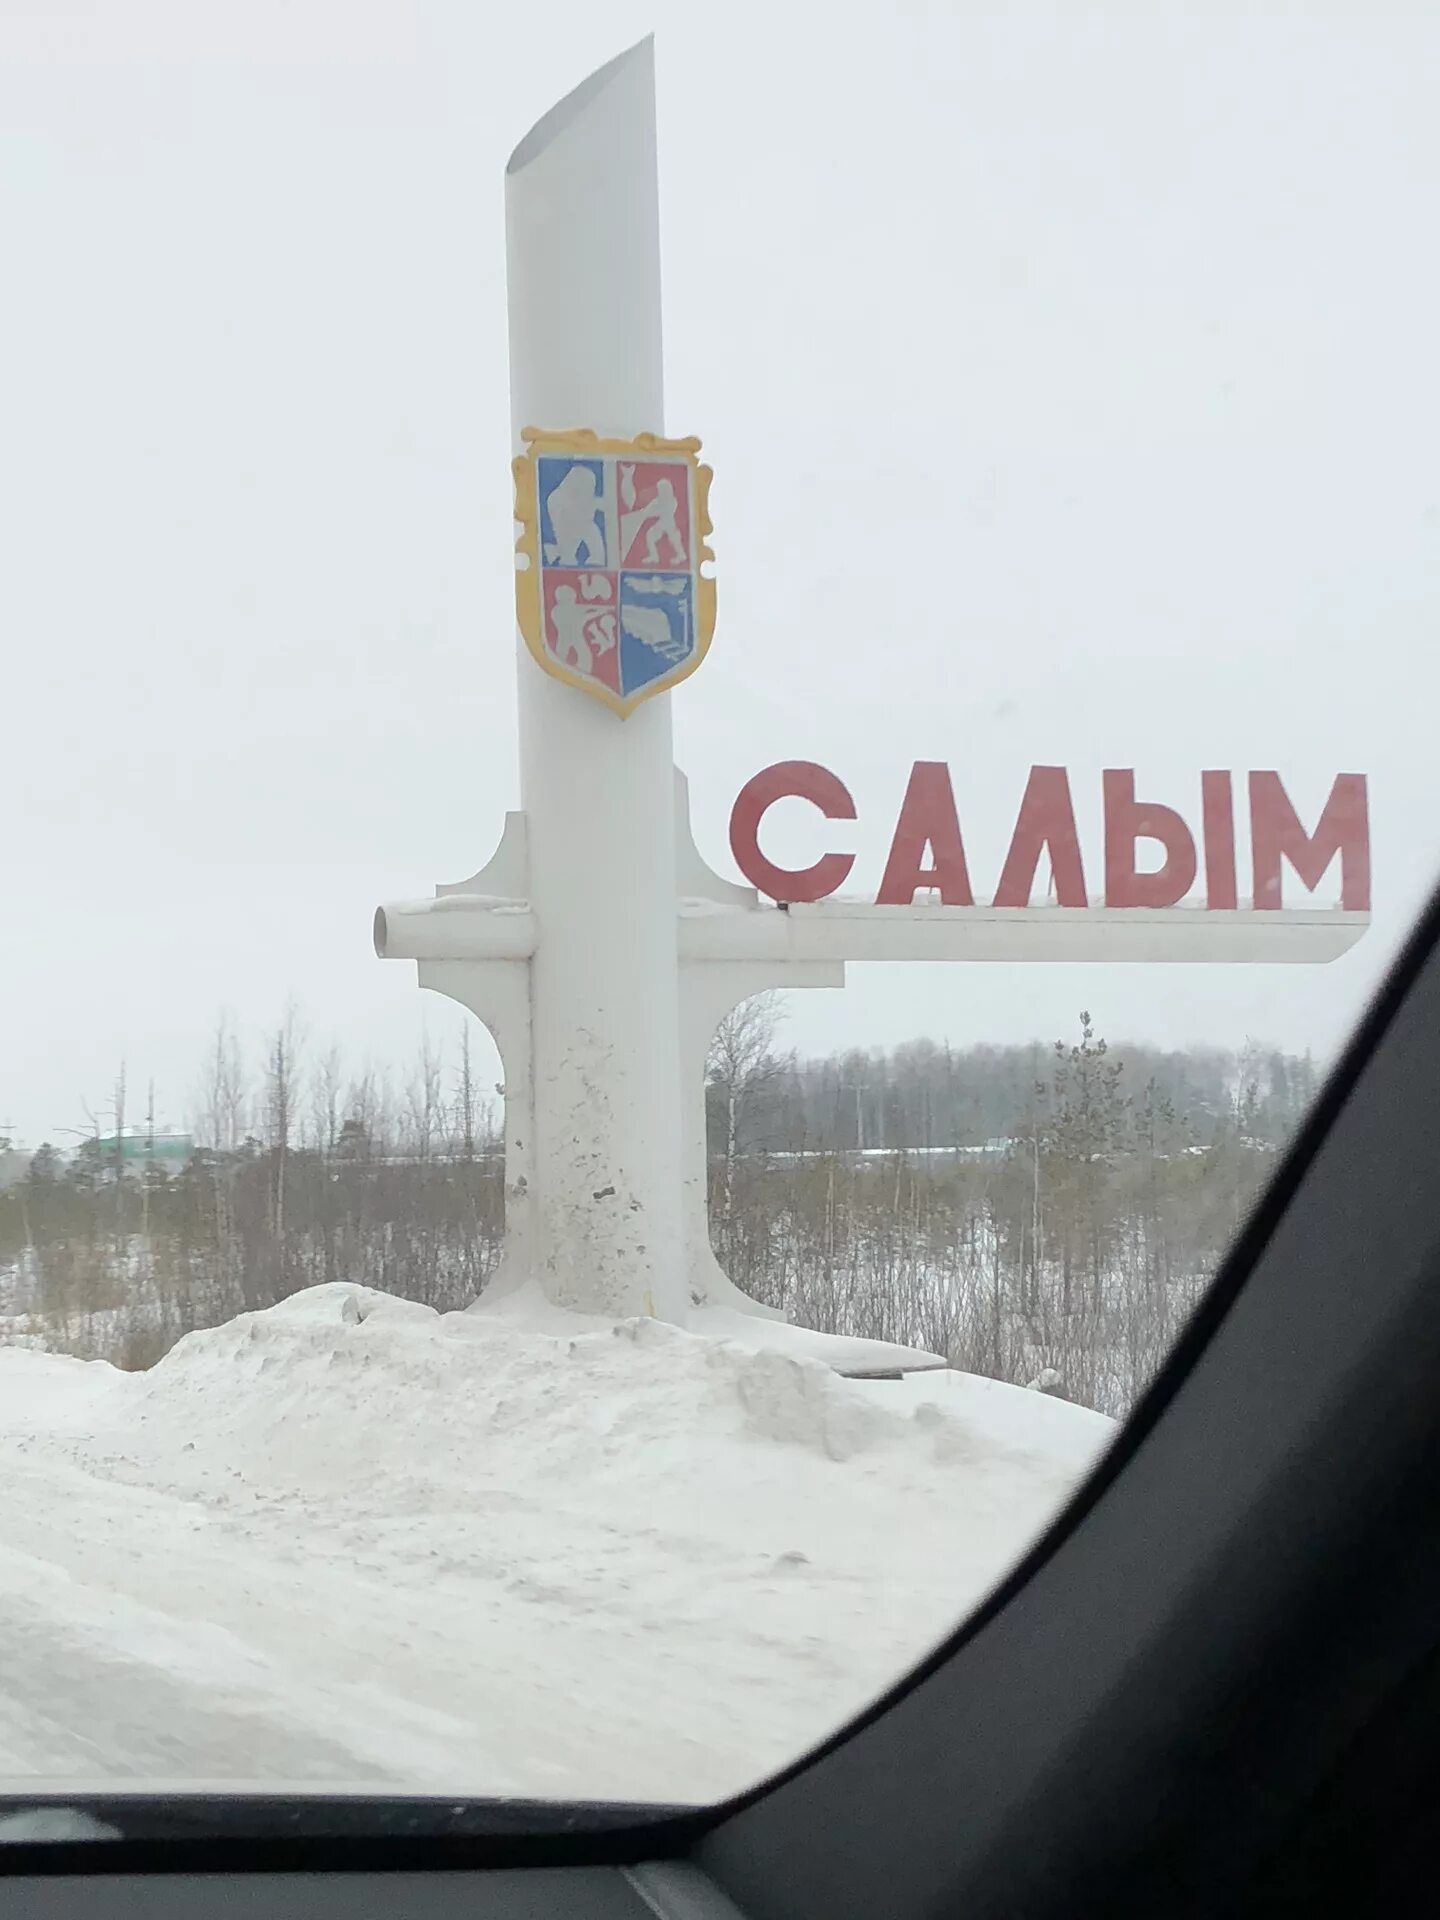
(351, 1541)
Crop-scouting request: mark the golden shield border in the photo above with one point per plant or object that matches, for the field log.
(583, 440)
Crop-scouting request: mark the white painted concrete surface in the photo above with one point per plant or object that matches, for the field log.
(583, 263)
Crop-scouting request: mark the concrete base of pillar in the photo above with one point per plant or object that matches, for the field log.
(513, 1301)
(496, 984)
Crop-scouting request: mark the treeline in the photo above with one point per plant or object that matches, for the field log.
(1040, 1214)
(1035, 1212)
(301, 1172)
(925, 1094)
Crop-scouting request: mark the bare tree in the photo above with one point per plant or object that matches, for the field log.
(472, 1115)
(220, 1099)
(325, 1100)
(281, 1105)
(465, 1098)
(422, 1098)
(120, 1158)
(741, 1069)
(147, 1173)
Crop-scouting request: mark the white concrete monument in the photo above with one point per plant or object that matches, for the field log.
(596, 945)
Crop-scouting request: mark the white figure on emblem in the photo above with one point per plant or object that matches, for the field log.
(580, 632)
(660, 515)
(574, 505)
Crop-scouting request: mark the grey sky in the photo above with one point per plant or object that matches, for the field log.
(1069, 378)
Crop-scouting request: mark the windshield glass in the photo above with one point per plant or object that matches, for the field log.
(883, 799)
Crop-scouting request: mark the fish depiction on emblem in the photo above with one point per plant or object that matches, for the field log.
(609, 587)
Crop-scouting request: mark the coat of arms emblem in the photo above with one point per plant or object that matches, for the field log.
(609, 590)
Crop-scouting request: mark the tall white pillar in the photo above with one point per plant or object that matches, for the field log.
(605, 1209)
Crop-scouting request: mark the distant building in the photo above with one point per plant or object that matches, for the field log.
(137, 1148)
(14, 1165)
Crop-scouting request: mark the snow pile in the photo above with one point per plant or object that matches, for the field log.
(349, 1540)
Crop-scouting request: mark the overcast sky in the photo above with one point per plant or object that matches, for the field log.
(1070, 379)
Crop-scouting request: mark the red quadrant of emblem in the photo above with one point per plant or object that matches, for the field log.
(580, 622)
(653, 498)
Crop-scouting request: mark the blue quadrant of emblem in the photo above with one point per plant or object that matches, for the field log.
(573, 517)
(657, 626)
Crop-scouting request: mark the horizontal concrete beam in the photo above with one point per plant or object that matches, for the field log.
(859, 930)
(476, 927)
